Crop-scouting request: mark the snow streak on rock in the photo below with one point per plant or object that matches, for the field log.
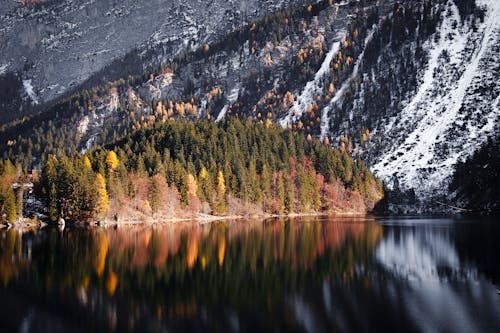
(233, 97)
(325, 120)
(449, 117)
(30, 91)
(312, 88)
(3, 69)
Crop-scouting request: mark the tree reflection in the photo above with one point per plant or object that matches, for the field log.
(119, 278)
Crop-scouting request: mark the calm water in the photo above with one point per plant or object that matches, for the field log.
(308, 275)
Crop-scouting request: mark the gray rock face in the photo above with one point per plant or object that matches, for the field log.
(58, 44)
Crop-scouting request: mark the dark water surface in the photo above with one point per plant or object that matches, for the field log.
(303, 275)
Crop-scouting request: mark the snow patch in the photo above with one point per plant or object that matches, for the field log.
(311, 89)
(83, 126)
(3, 69)
(231, 98)
(325, 118)
(28, 87)
(429, 118)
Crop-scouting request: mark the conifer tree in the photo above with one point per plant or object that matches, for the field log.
(155, 194)
(289, 194)
(9, 205)
(281, 196)
(266, 187)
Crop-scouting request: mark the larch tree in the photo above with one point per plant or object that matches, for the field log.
(102, 195)
(220, 205)
(112, 161)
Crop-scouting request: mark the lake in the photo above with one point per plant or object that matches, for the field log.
(318, 274)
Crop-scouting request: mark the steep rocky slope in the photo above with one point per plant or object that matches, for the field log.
(53, 46)
(410, 87)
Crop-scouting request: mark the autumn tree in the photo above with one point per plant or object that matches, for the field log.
(102, 195)
(112, 161)
(220, 203)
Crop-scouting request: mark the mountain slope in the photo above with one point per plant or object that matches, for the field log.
(55, 46)
(410, 88)
(455, 107)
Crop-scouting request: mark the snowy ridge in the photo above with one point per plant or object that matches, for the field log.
(325, 121)
(311, 89)
(448, 118)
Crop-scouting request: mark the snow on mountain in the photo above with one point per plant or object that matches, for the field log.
(413, 87)
(28, 87)
(325, 121)
(312, 88)
(449, 117)
(66, 42)
(231, 98)
(3, 68)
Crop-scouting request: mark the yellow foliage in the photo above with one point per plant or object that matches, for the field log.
(203, 173)
(86, 163)
(192, 185)
(221, 186)
(102, 195)
(288, 100)
(179, 108)
(267, 60)
(100, 263)
(331, 88)
(112, 161)
(221, 252)
(192, 251)
(111, 283)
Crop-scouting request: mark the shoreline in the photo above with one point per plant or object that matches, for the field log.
(30, 224)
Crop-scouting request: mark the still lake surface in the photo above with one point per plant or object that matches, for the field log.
(304, 275)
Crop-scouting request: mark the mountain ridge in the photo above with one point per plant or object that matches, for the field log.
(368, 77)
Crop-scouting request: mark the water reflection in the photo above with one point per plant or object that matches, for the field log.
(309, 275)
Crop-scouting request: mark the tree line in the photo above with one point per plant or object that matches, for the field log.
(236, 167)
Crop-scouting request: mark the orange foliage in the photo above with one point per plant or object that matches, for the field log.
(111, 283)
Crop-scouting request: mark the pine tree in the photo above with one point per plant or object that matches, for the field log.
(280, 193)
(9, 205)
(155, 194)
(53, 203)
(303, 189)
(289, 194)
(266, 187)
